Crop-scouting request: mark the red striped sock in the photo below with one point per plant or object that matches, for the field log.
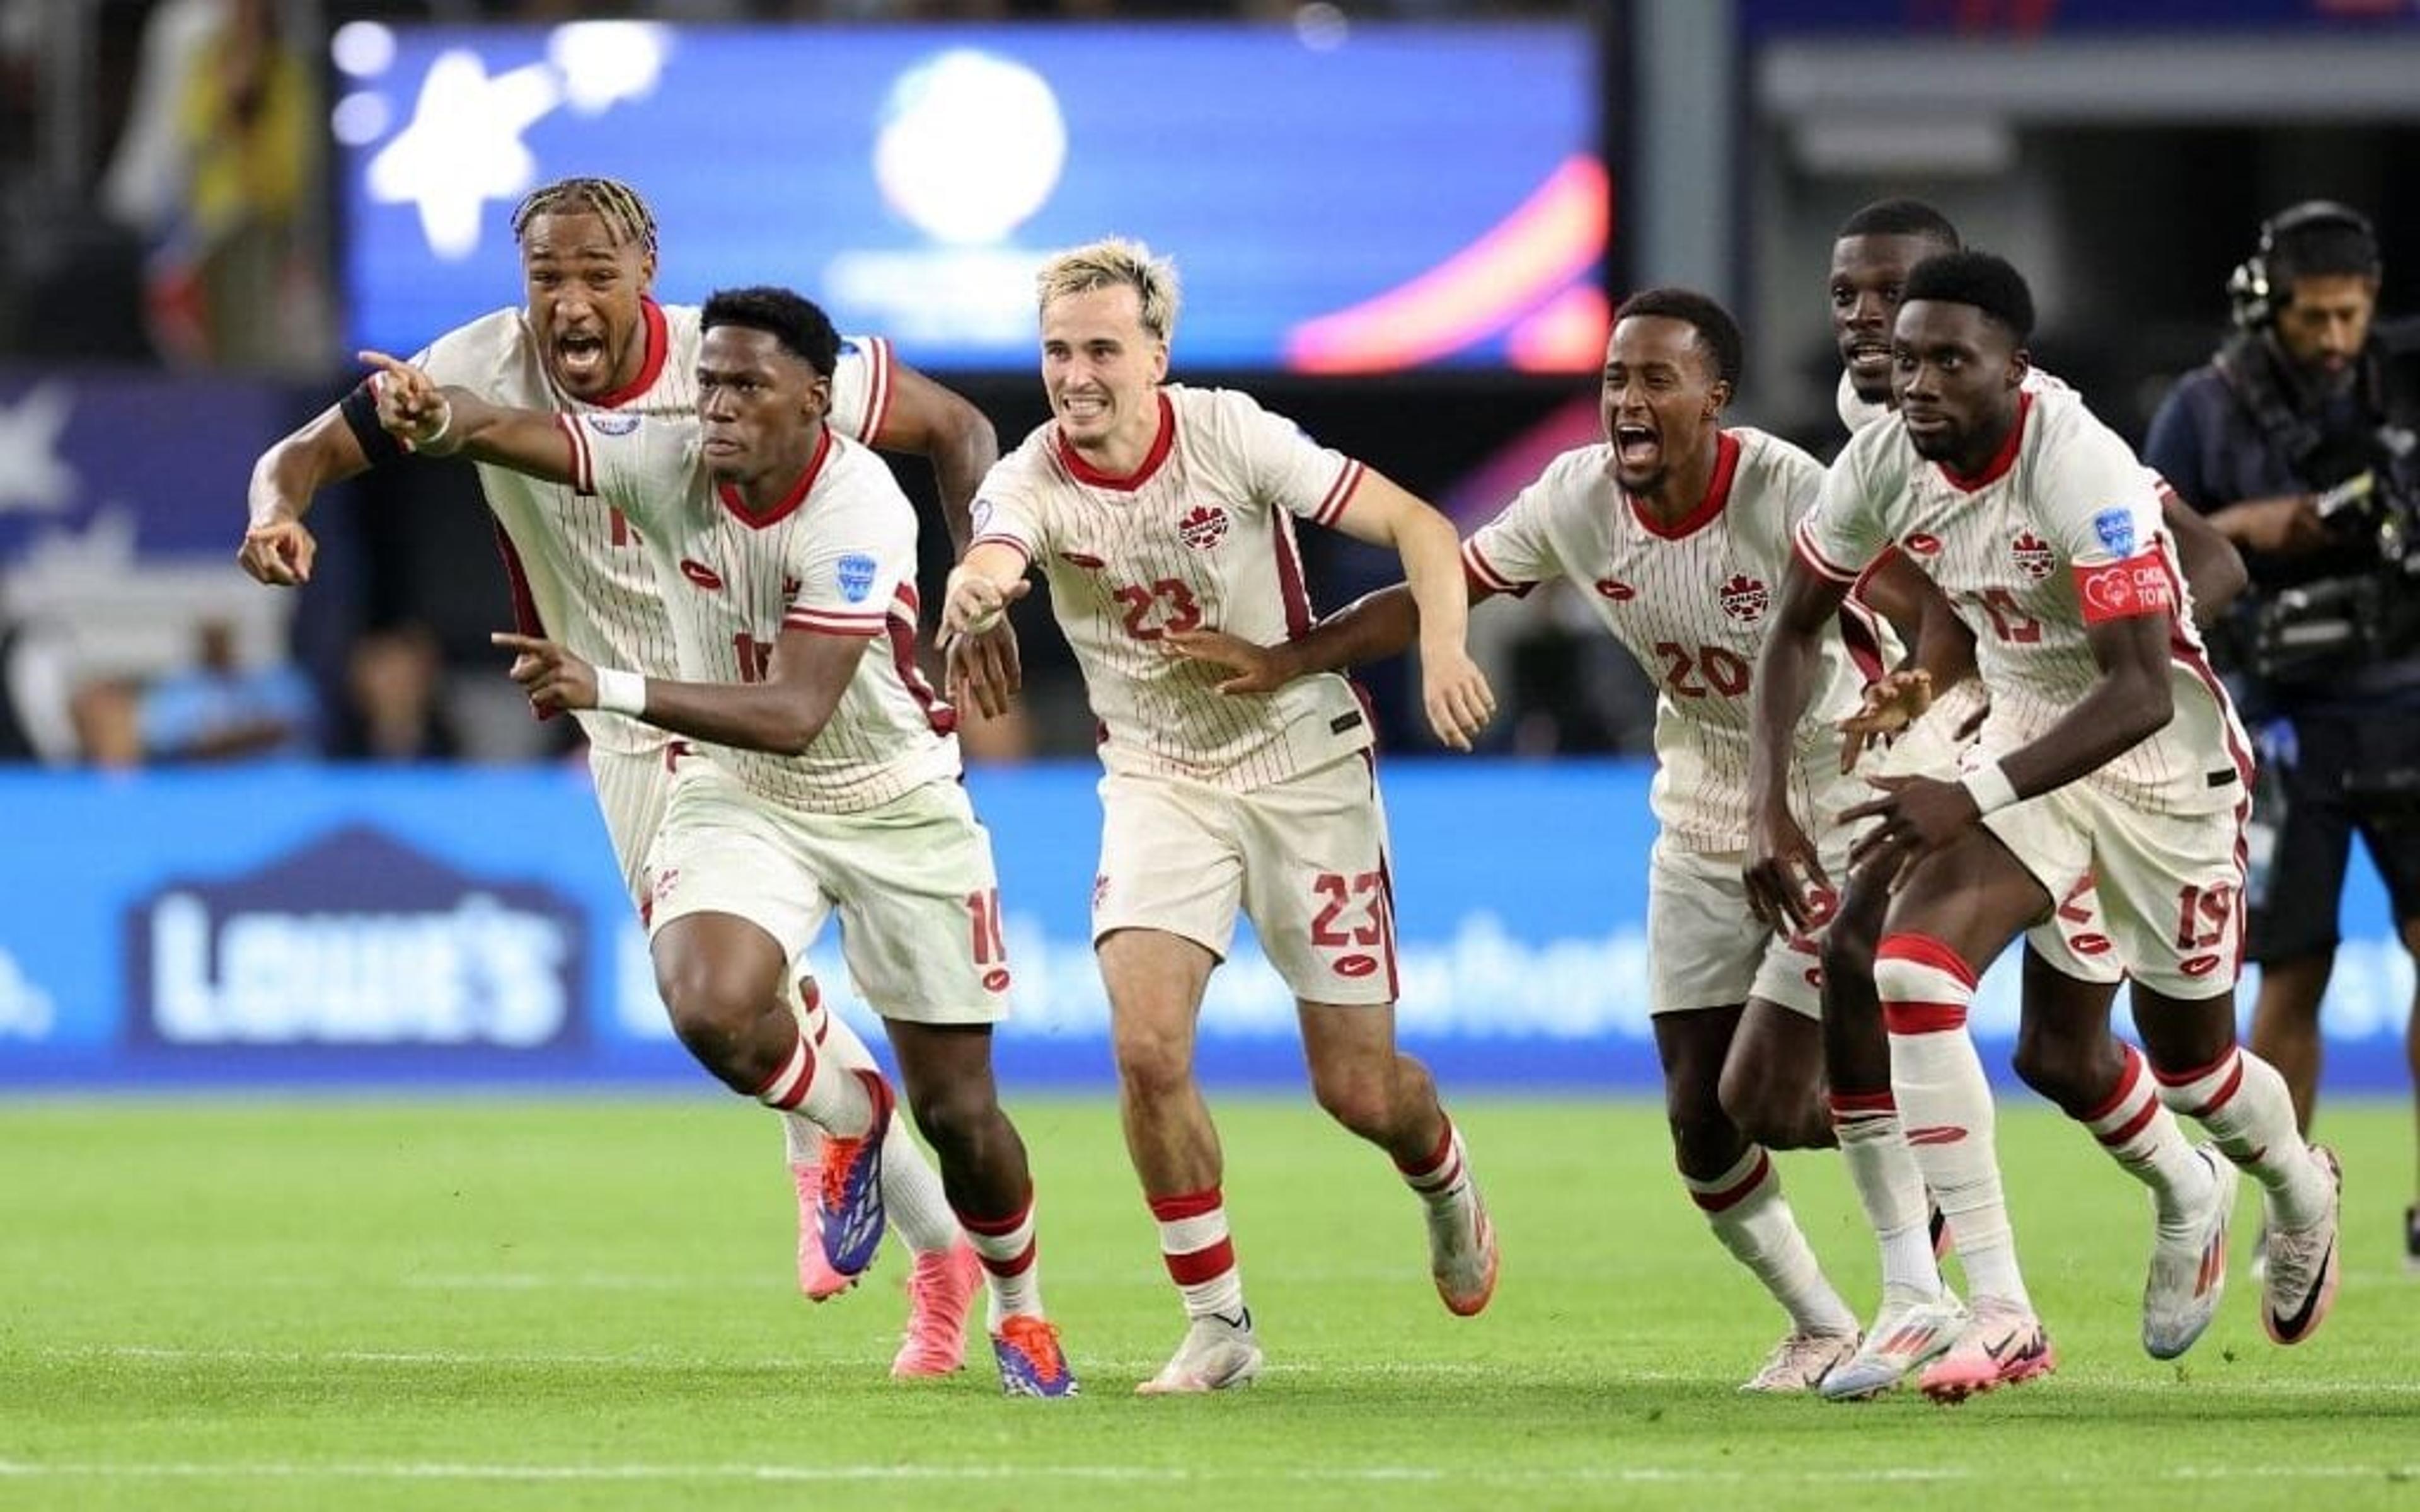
(1201, 1256)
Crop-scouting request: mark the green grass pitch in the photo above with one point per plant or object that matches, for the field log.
(480, 1301)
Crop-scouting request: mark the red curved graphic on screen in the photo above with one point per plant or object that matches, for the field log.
(1555, 236)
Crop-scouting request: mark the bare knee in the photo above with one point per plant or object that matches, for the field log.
(1153, 1062)
(2074, 1073)
(1779, 1112)
(715, 1004)
(1360, 1096)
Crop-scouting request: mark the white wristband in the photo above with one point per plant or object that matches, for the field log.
(622, 692)
(1989, 787)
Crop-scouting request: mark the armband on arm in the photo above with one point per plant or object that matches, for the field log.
(360, 410)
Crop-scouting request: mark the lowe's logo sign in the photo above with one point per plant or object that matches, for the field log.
(355, 941)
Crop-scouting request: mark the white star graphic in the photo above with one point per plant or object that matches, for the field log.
(34, 478)
(463, 147)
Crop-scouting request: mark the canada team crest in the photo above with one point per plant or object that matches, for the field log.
(1204, 528)
(2032, 554)
(1744, 598)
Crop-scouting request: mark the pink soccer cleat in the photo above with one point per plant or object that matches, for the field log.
(942, 1290)
(817, 1278)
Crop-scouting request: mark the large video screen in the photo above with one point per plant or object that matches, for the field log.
(1361, 198)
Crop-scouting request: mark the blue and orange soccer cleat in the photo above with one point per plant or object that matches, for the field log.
(1030, 1361)
(851, 1194)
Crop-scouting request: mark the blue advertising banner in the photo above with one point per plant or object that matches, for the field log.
(1345, 197)
(1762, 18)
(304, 924)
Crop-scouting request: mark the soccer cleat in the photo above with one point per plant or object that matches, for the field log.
(1800, 1360)
(2301, 1282)
(1219, 1352)
(1031, 1362)
(817, 1277)
(849, 1202)
(2002, 1344)
(940, 1289)
(2189, 1268)
(1461, 1253)
(1902, 1339)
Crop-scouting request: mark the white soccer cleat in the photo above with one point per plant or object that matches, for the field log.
(2299, 1284)
(1218, 1352)
(1903, 1338)
(1462, 1256)
(1799, 1362)
(2001, 1344)
(2189, 1268)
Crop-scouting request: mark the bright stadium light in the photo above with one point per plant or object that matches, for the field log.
(971, 145)
(364, 49)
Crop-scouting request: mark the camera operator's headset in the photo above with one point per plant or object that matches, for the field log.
(2253, 295)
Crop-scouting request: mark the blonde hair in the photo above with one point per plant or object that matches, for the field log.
(1111, 263)
(612, 201)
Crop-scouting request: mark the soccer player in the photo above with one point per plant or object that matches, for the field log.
(824, 779)
(1153, 508)
(2070, 976)
(2066, 1051)
(2108, 748)
(590, 337)
(1674, 530)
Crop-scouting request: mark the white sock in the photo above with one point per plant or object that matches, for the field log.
(2143, 1138)
(1006, 1248)
(1443, 1179)
(830, 1095)
(1201, 1256)
(913, 1202)
(1891, 1189)
(2243, 1102)
(1749, 1216)
(1945, 1104)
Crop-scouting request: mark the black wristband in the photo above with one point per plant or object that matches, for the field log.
(360, 410)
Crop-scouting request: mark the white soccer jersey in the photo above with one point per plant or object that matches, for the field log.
(1689, 601)
(1201, 535)
(2061, 530)
(578, 573)
(837, 556)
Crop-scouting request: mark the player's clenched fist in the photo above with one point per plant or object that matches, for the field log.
(554, 679)
(977, 600)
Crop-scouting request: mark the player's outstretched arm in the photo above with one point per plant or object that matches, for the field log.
(940, 425)
(451, 422)
(278, 548)
(990, 578)
(804, 679)
(1782, 867)
(1453, 689)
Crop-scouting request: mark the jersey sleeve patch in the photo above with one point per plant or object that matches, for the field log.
(2125, 590)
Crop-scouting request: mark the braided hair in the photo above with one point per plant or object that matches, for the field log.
(612, 201)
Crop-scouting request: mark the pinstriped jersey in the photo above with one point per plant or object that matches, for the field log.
(2061, 530)
(837, 556)
(1690, 601)
(1201, 534)
(578, 575)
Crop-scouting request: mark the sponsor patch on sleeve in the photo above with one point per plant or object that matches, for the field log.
(857, 571)
(2124, 589)
(2115, 528)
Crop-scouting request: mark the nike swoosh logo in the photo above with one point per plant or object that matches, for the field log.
(2291, 1328)
(1241, 1322)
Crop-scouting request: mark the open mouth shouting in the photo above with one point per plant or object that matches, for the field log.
(579, 361)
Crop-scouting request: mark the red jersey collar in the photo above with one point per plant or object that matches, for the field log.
(1718, 493)
(2003, 459)
(1160, 446)
(659, 347)
(789, 501)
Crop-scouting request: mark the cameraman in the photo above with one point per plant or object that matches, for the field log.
(2298, 441)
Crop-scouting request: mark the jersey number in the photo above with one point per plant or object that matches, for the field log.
(2009, 619)
(755, 657)
(1341, 893)
(2203, 914)
(983, 917)
(1182, 613)
(1707, 670)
